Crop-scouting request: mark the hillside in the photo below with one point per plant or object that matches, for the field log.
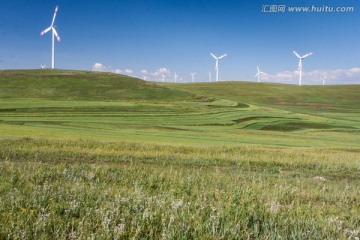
(326, 98)
(81, 85)
(110, 156)
(92, 105)
(86, 85)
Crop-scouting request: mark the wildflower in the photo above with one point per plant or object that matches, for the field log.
(23, 209)
(119, 229)
(177, 204)
(274, 207)
(319, 178)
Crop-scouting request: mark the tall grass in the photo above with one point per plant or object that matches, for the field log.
(211, 161)
(102, 190)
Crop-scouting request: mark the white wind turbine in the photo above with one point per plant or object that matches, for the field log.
(258, 74)
(54, 34)
(209, 76)
(42, 66)
(193, 76)
(144, 77)
(175, 77)
(163, 77)
(323, 80)
(217, 64)
(300, 63)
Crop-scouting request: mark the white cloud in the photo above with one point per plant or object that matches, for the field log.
(162, 71)
(333, 76)
(99, 67)
(118, 71)
(156, 75)
(128, 71)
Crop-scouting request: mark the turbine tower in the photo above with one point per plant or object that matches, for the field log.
(193, 76)
(323, 80)
(300, 63)
(258, 75)
(217, 64)
(54, 34)
(175, 77)
(209, 76)
(163, 77)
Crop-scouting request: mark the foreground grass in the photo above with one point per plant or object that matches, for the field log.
(101, 190)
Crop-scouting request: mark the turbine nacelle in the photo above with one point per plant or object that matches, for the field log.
(218, 58)
(217, 63)
(54, 35)
(306, 55)
(193, 76)
(258, 74)
(300, 63)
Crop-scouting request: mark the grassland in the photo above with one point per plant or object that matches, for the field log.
(104, 156)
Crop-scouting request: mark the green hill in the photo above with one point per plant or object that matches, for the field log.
(89, 154)
(95, 105)
(335, 97)
(81, 85)
(86, 85)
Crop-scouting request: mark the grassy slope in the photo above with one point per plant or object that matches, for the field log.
(165, 185)
(343, 98)
(73, 104)
(80, 85)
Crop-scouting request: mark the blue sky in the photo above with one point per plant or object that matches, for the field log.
(150, 38)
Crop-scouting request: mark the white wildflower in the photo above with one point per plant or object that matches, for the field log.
(178, 204)
(274, 207)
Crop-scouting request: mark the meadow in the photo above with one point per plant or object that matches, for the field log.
(88, 155)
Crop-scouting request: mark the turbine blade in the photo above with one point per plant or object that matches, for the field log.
(306, 55)
(257, 75)
(53, 20)
(222, 56)
(45, 31)
(296, 54)
(258, 68)
(213, 55)
(56, 34)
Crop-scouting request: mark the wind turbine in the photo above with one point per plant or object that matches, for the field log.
(163, 77)
(175, 77)
(324, 77)
(300, 63)
(193, 76)
(42, 66)
(209, 76)
(258, 75)
(217, 64)
(54, 34)
(145, 77)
